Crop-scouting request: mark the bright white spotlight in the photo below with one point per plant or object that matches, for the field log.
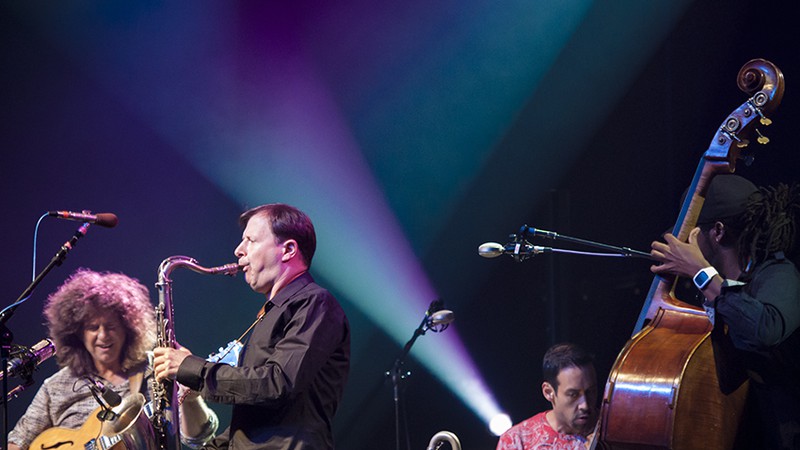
(499, 424)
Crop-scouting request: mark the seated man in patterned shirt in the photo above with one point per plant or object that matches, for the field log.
(571, 388)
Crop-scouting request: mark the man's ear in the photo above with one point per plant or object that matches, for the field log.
(721, 234)
(548, 391)
(289, 250)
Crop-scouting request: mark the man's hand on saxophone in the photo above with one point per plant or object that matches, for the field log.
(195, 416)
(167, 360)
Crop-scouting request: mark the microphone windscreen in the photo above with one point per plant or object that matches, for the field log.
(491, 250)
(107, 220)
(43, 349)
(112, 398)
(442, 317)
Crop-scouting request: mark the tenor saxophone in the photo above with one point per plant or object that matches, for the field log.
(164, 394)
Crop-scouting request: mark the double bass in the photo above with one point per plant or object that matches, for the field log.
(664, 390)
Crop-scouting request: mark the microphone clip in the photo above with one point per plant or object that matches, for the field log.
(521, 249)
(26, 363)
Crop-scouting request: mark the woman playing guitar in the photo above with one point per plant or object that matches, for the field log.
(103, 325)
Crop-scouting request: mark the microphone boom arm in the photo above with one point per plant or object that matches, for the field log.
(621, 251)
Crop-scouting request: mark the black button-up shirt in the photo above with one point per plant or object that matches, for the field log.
(290, 377)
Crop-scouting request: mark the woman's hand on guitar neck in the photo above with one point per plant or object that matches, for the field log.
(677, 257)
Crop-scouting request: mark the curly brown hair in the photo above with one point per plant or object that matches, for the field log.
(70, 307)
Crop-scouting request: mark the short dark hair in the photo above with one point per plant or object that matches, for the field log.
(287, 222)
(562, 356)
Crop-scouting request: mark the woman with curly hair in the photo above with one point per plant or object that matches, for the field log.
(103, 326)
(739, 257)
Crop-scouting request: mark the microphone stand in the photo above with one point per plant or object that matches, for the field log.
(7, 337)
(14, 393)
(395, 372)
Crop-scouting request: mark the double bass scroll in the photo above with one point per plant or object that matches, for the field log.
(664, 390)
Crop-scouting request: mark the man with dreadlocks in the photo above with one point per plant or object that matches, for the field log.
(737, 258)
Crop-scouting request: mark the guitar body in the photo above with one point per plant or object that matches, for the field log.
(58, 438)
(129, 429)
(665, 390)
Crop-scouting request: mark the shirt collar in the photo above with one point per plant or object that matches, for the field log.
(292, 288)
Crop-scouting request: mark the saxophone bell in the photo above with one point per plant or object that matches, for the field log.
(444, 436)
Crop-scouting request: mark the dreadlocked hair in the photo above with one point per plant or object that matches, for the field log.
(770, 224)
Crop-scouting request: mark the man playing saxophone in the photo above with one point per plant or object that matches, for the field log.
(103, 325)
(291, 374)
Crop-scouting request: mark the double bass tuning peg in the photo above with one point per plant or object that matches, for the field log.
(754, 106)
(761, 138)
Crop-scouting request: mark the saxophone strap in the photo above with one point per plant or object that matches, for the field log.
(261, 313)
(238, 341)
(135, 381)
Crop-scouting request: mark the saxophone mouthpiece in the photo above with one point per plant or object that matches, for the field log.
(228, 269)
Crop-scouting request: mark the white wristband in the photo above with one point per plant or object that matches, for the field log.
(704, 276)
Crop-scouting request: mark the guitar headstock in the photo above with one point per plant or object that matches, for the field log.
(763, 82)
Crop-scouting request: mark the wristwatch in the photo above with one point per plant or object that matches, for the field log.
(704, 276)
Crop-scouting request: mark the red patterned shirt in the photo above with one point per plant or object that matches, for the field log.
(535, 433)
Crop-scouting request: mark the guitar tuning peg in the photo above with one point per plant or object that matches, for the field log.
(742, 143)
(761, 138)
(766, 121)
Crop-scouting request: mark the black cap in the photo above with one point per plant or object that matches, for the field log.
(726, 199)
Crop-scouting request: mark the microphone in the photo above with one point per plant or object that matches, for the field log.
(29, 359)
(516, 249)
(439, 320)
(441, 317)
(111, 398)
(107, 220)
(105, 397)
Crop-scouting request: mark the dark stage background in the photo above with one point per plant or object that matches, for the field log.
(166, 113)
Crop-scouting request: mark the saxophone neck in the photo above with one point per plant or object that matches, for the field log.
(173, 262)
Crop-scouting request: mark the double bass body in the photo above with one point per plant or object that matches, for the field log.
(664, 390)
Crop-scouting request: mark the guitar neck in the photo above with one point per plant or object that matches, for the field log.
(103, 442)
